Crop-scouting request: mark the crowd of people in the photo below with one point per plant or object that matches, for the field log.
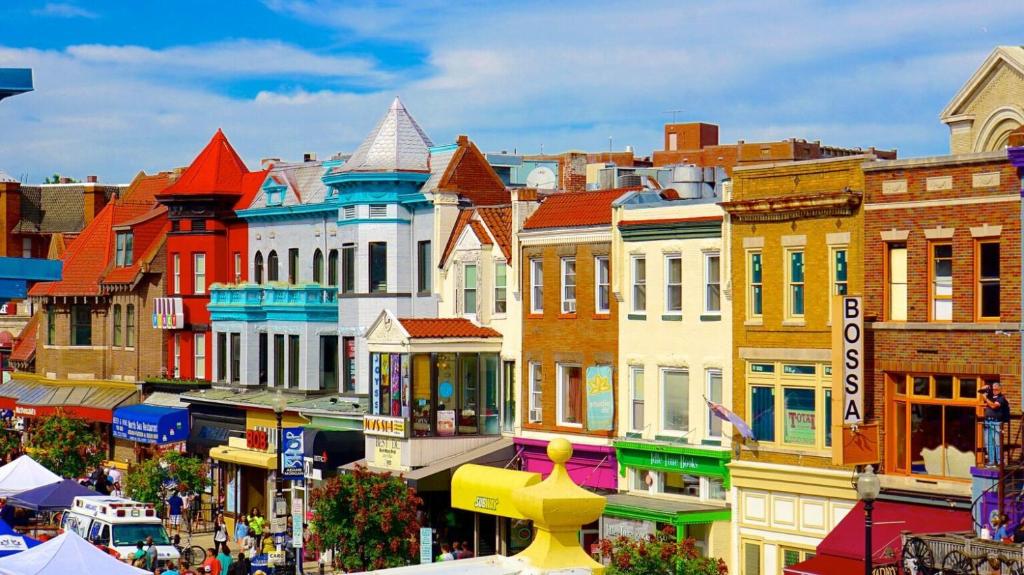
(218, 562)
(454, 551)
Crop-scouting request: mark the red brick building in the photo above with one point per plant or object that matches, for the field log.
(697, 143)
(942, 299)
(207, 244)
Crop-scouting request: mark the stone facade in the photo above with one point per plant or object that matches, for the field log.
(990, 105)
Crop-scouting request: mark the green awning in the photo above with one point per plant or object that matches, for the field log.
(664, 510)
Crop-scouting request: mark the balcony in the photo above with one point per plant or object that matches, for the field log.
(960, 554)
(273, 302)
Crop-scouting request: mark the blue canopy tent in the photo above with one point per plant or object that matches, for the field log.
(151, 424)
(52, 497)
(12, 542)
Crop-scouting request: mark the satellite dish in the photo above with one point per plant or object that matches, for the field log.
(541, 178)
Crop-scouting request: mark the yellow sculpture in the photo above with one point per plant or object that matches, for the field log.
(557, 506)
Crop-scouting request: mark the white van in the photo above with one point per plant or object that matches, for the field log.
(118, 524)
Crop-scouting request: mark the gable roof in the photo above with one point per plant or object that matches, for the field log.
(465, 171)
(303, 182)
(144, 188)
(1012, 56)
(492, 225)
(25, 346)
(444, 328)
(576, 209)
(396, 143)
(216, 170)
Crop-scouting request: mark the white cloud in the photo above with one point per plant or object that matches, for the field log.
(64, 10)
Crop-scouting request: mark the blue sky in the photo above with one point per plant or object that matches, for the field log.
(129, 86)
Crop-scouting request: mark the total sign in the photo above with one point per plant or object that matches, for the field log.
(853, 359)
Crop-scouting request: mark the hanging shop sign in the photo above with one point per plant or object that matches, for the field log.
(848, 341)
(600, 399)
(292, 453)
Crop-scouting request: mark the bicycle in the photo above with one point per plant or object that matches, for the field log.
(194, 554)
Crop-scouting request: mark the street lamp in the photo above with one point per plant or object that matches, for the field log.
(867, 491)
(279, 405)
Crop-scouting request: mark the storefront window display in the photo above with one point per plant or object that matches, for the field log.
(790, 404)
(934, 424)
(444, 394)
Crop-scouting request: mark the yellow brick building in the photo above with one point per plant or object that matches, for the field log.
(795, 241)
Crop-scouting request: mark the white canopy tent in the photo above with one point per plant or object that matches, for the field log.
(66, 553)
(23, 474)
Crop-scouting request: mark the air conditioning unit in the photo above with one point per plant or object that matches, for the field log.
(535, 414)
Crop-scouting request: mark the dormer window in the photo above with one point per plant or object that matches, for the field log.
(123, 253)
(275, 196)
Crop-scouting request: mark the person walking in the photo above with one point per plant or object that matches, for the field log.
(241, 529)
(225, 559)
(997, 412)
(256, 526)
(174, 506)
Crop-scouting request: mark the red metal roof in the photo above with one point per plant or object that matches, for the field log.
(216, 170)
(444, 327)
(576, 209)
(25, 347)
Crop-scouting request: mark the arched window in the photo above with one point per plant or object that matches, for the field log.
(318, 266)
(117, 325)
(257, 265)
(272, 266)
(332, 268)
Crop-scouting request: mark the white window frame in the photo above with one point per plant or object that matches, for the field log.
(537, 286)
(634, 265)
(176, 368)
(176, 264)
(536, 390)
(199, 355)
(601, 263)
(662, 372)
(708, 256)
(633, 371)
(707, 389)
(199, 273)
(500, 289)
(670, 286)
(561, 395)
(238, 267)
(568, 304)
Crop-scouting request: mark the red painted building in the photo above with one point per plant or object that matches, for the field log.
(207, 244)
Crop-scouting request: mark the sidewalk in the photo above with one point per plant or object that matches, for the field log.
(205, 540)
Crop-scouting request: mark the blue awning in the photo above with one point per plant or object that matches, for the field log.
(151, 424)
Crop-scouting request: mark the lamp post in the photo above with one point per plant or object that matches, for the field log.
(867, 491)
(279, 405)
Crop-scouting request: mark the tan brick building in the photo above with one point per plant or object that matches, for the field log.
(570, 334)
(990, 105)
(96, 322)
(795, 241)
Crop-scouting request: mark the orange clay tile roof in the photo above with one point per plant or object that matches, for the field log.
(149, 232)
(446, 327)
(25, 347)
(144, 188)
(216, 170)
(575, 209)
(481, 232)
(499, 223)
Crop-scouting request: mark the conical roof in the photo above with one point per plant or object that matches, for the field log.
(397, 143)
(216, 170)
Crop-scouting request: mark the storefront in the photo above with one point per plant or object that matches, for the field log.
(671, 485)
(146, 431)
(592, 467)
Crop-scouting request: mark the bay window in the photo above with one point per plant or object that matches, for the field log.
(789, 404)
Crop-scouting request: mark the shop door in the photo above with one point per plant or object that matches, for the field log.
(254, 484)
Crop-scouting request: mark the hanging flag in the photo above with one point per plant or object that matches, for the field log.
(722, 412)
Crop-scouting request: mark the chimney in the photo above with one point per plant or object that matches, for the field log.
(462, 140)
(92, 179)
(10, 214)
(65, 180)
(574, 172)
(309, 157)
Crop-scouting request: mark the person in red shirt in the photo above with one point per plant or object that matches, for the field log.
(211, 565)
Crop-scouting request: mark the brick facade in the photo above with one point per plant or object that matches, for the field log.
(959, 200)
(794, 217)
(584, 338)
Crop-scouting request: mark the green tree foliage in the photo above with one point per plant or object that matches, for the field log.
(658, 554)
(66, 446)
(10, 444)
(146, 481)
(368, 519)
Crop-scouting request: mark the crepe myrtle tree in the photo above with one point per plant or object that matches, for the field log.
(65, 445)
(152, 480)
(367, 519)
(657, 554)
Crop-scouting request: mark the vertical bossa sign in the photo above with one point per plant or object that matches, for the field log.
(853, 359)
